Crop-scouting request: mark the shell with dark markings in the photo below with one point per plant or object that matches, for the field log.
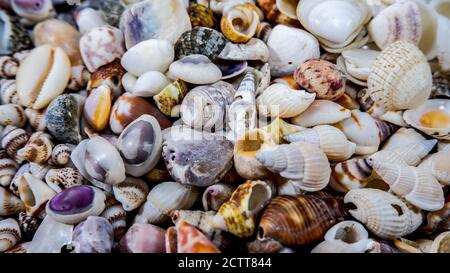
(131, 193)
(14, 36)
(116, 215)
(94, 235)
(8, 67)
(8, 92)
(8, 168)
(200, 40)
(28, 225)
(14, 139)
(9, 234)
(61, 179)
(201, 16)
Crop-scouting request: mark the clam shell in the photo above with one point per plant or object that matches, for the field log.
(321, 112)
(8, 168)
(200, 40)
(42, 76)
(12, 114)
(94, 235)
(9, 203)
(196, 69)
(9, 234)
(34, 193)
(131, 193)
(61, 179)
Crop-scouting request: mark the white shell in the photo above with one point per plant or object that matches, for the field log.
(290, 47)
(36, 118)
(279, 100)
(12, 114)
(382, 213)
(288, 8)
(149, 84)
(9, 203)
(443, 32)
(9, 234)
(356, 64)
(439, 165)
(253, 50)
(34, 193)
(50, 237)
(403, 137)
(321, 112)
(410, 155)
(149, 55)
(131, 193)
(8, 92)
(432, 118)
(88, 18)
(196, 69)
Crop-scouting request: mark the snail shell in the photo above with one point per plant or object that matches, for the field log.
(61, 154)
(200, 40)
(28, 225)
(8, 168)
(131, 193)
(34, 193)
(350, 174)
(14, 139)
(61, 179)
(170, 97)
(38, 149)
(9, 203)
(116, 215)
(12, 114)
(8, 92)
(9, 234)
(240, 22)
(36, 118)
(201, 16)
(215, 195)
(8, 67)
(185, 238)
(94, 235)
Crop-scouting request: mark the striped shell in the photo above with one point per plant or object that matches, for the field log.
(9, 234)
(12, 114)
(239, 23)
(61, 154)
(8, 67)
(116, 215)
(8, 92)
(38, 149)
(14, 139)
(9, 203)
(200, 40)
(28, 225)
(8, 168)
(36, 118)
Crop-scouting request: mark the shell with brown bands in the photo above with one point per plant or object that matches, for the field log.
(201, 16)
(8, 67)
(61, 154)
(36, 118)
(79, 78)
(14, 139)
(38, 149)
(9, 234)
(350, 174)
(116, 216)
(300, 220)
(8, 168)
(28, 225)
(8, 92)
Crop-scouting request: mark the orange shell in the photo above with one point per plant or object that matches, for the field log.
(191, 240)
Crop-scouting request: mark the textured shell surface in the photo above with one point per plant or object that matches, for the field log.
(64, 178)
(116, 216)
(255, 49)
(321, 112)
(15, 36)
(8, 168)
(350, 174)
(36, 118)
(9, 234)
(411, 155)
(170, 97)
(13, 139)
(12, 114)
(439, 166)
(34, 193)
(38, 149)
(201, 16)
(28, 225)
(196, 69)
(200, 40)
(154, 19)
(403, 137)
(131, 193)
(42, 76)
(240, 22)
(61, 154)
(9, 203)
(94, 235)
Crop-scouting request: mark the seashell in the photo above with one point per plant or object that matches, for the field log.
(101, 46)
(61, 179)
(437, 220)
(8, 168)
(382, 213)
(365, 131)
(290, 47)
(215, 195)
(148, 84)
(187, 239)
(8, 92)
(253, 50)
(61, 154)
(201, 16)
(164, 198)
(110, 75)
(15, 35)
(264, 246)
(200, 40)
(409, 82)
(112, 10)
(149, 55)
(279, 128)
(116, 215)
(36, 118)
(58, 33)
(345, 237)
(8, 67)
(99, 161)
(328, 138)
(301, 162)
(76, 204)
(94, 235)
(79, 78)
(63, 118)
(14, 139)
(416, 185)
(300, 220)
(49, 68)
(321, 112)
(322, 78)
(356, 64)
(9, 203)
(441, 83)
(153, 19)
(170, 96)
(50, 237)
(245, 150)
(438, 165)
(38, 149)
(238, 214)
(140, 145)
(242, 113)
(14, 185)
(97, 107)
(131, 193)
(128, 108)
(279, 100)
(198, 162)
(28, 226)
(143, 238)
(88, 19)
(350, 174)
(12, 114)
(34, 193)
(240, 22)
(440, 243)
(34, 11)
(20, 248)
(231, 69)
(288, 8)
(410, 155)
(432, 118)
(403, 137)
(202, 220)
(273, 14)
(9, 234)
(196, 69)
(205, 106)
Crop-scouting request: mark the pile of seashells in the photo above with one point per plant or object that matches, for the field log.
(260, 126)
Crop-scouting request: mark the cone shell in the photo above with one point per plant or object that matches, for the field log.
(189, 240)
(34, 193)
(321, 112)
(36, 118)
(9, 203)
(131, 193)
(240, 22)
(350, 174)
(14, 139)
(61, 154)
(9, 234)
(38, 149)
(8, 92)
(61, 179)
(400, 77)
(8, 168)
(111, 75)
(382, 213)
(300, 220)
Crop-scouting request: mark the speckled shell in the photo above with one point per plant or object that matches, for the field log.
(299, 220)
(61, 179)
(8, 92)
(131, 193)
(63, 118)
(36, 118)
(94, 235)
(171, 96)
(14, 36)
(38, 149)
(8, 67)
(200, 40)
(187, 239)
(8, 168)
(12, 114)
(13, 139)
(201, 16)
(9, 234)
(321, 77)
(116, 215)
(9, 203)
(28, 225)
(382, 213)
(61, 154)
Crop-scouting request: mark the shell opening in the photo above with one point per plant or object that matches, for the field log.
(398, 209)
(27, 195)
(258, 197)
(350, 206)
(347, 234)
(261, 233)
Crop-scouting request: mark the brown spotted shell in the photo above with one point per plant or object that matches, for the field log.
(38, 149)
(28, 225)
(14, 139)
(116, 216)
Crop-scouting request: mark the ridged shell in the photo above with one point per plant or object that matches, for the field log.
(439, 166)
(36, 118)
(300, 220)
(200, 40)
(8, 168)
(9, 203)
(400, 78)
(116, 215)
(403, 137)
(61, 154)
(14, 35)
(411, 154)
(8, 67)
(38, 149)
(9, 234)
(28, 226)
(131, 193)
(382, 213)
(321, 112)
(61, 179)
(240, 22)
(8, 92)
(14, 139)
(34, 193)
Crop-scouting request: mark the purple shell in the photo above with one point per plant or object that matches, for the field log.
(229, 68)
(95, 235)
(73, 200)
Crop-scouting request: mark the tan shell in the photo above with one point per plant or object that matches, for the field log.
(8, 66)
(34, 193)
(321, 112)
(240, 22)
(12, 114)
(9, 234)
(61, 179)
(8, 168)
(38, 149)
(36, 118)
(9, 203)
(131, 193)
(8, 92)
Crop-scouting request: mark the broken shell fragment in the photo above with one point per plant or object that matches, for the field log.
(215, 195)
(34, 193)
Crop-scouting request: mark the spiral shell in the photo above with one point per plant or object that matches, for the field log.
(9, 234)
(8, 67)
(8, 168)
(201, 15)
(239, 23)
(350, 174)
(28, 225)
(215, 195)
(34, 193)
(273, 14)
(61, 179)
(171, 96)
(8, 92)
(131, 193)
(116, 215)
(38, 149)
(61, 154)
(200, 40)
(12, 114)
(36, 118)
(14, 139)
(9, 203)
(321, 112)
(299, 220)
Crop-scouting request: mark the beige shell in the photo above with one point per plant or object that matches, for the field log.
(79, 78)
(61, 154)
(9, 234)
(301, 162)
(350, 174)
(245, 150)
(8, 67)
(279, 128)
(38, 149)
(439, 165)
(8, 168)
(400, 77)
(12, 114)
(441, 244)
(13, 139)
(356, 64)
(131, 193)
(410, 155)
(279, 100)
(34, 193)
(321, 112)
(9, 203)
(328, 138)
(61, 179)
(8, 92)
(384, 214)
(36, 118)
(239, 23)
(116, 216)
(416, 185)
(403, 137)
(43, 75)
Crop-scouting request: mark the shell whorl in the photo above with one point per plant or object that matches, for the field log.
(14, 139)
(8, 92)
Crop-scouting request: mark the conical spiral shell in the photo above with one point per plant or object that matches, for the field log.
(9, 234)
(116, 216)
(36, 118)
(301, 162)
(240, 22)
(300, 220)
(38, 149)
(14, 139)
(61, 154)
(8, 92)
(8, 168)
(400, 77)
(9, 203)
(382, 213)
(350, 174)
(412, 154)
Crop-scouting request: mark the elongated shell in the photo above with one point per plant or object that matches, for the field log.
(38, 149)
(131, 193)
(9, 234)
(301, 219)
(416, 185)
(280, 101)
(61, 154)
(164, 198)
(330, 139)
(301, 162)
(321, 112)
(240, 22)
(34, 193)
(400, 77)
(97, 107)
(8, 168)
(9, 203)
(382, 213)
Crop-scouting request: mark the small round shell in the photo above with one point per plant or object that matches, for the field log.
(196, 69)
(239, 23)
(200, 40)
